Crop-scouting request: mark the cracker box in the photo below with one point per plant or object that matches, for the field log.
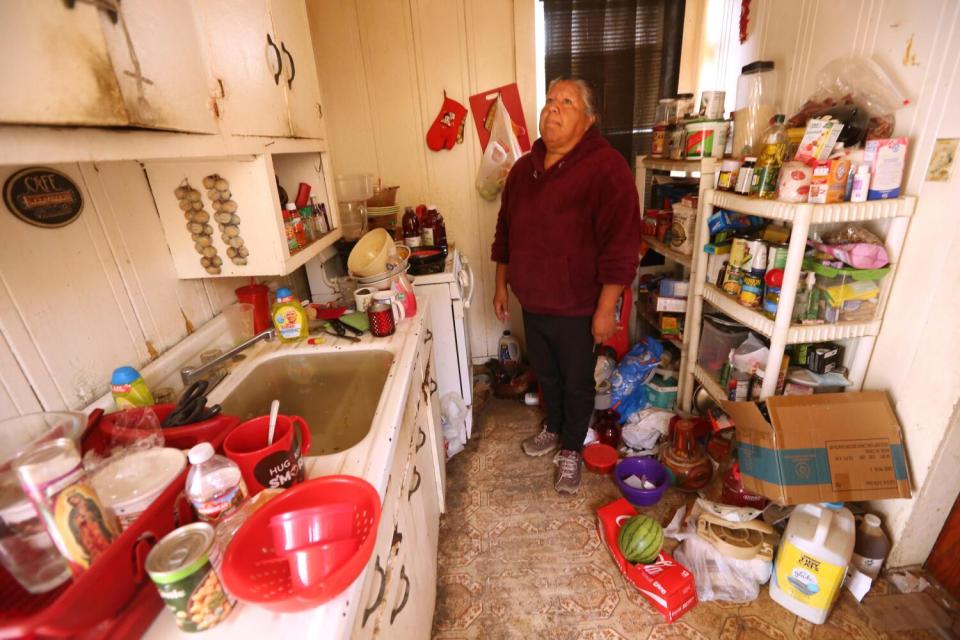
(666, 584)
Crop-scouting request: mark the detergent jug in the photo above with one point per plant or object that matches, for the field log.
(812, 559)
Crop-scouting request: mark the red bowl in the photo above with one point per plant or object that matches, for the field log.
(254, 572)
(600, 458)
(109, 431)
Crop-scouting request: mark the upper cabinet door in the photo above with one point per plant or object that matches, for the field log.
(159, 64)
(246, 61)
(299, 79)
(56, 68)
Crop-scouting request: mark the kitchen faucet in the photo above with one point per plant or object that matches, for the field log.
(189, 375)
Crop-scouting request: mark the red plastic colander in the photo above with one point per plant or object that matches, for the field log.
(255, 573)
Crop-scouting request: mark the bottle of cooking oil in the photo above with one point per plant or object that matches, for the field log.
(767, 170)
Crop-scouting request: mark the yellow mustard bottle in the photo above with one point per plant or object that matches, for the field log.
(289, 317)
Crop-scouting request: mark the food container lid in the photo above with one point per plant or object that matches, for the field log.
(600, 458)
(757, 67)
(137, 477)
(180, 553)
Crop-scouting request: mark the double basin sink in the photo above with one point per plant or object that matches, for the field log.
(335, 390)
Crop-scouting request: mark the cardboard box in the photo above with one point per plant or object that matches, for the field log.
(670, 288)
(666, 584)
(670, 305)
(831, 447)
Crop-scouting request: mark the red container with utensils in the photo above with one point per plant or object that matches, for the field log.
(259, 296)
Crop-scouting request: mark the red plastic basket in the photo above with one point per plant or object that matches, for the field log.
(180, 437)
(115, 597)
(254, 573)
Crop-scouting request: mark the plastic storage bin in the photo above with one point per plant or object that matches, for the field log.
(717, 337)
(847, 295)
(662, 392)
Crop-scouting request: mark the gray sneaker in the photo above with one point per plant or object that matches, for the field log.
(541, 444)
(567, 478)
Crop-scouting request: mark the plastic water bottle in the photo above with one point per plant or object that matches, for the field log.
(215, 485)
(509, 351)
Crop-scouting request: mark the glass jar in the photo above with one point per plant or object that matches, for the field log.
(756, 104)
(353, 219)
(608, 427)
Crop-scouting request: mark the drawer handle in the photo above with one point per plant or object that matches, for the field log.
(417, 485)
(293, 67)
(433, 386)
(406, 594)
(276, 51)
(380, 593)
(428, 337)
(423, 439)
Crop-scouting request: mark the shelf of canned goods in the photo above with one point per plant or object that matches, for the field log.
(703, 170)
(779, 329)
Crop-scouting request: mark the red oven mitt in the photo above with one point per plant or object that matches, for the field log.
(443, 131)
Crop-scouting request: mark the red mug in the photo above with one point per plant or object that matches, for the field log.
(277, 466)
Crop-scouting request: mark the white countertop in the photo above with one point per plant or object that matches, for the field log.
(369, 459)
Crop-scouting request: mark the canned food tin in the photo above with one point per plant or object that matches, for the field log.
(729, 171)
(732, 280)
(53, 478)
(180, 567)
(758, 255)
(740, 254)
(777, 256)
(751, 291)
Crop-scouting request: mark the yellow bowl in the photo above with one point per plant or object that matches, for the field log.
(369, 256)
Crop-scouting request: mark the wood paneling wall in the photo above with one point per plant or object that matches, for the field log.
(78, 301)
(383, 67)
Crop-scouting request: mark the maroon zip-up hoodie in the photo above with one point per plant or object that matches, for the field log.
(569, 229)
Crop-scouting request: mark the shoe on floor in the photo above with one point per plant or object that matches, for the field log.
(541, 444)
(567, 478)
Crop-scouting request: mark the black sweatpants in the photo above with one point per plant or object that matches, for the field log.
(560, 350)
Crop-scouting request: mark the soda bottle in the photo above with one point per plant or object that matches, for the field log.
(215, 487)
(767, 170)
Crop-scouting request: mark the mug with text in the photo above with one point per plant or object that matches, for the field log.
(275, 466)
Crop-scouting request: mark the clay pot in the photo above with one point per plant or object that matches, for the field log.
(685, 459)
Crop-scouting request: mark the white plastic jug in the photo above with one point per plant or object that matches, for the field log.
(509, 350)
(812, 559)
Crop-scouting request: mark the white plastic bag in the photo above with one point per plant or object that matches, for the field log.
(644, 428)
(501, 153)
(453, 422)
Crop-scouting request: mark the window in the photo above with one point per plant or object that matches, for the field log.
(628, 49)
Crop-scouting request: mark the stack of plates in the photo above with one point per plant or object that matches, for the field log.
(385, 217)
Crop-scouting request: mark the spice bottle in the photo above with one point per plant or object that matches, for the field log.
(289, 226)
(319, 216)
(309, 227)
(411, 228)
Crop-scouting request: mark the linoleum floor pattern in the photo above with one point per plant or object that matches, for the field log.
(517, 560)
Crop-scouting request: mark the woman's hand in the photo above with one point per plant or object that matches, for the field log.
(604, 325)
(500, 304)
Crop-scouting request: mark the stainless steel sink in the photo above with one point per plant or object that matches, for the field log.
(336, 393)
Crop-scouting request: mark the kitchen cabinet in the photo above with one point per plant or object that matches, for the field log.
(399, 592)
(261, 61)
(257, 218)
(75, 64)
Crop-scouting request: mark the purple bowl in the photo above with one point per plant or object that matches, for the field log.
(645, 466)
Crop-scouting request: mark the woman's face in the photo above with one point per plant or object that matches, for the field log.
(564, 119)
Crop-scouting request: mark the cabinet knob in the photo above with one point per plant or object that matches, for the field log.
(423, 440)
(319, 111)
(416, 487)
(380, 593)
(293, 67)
(278, 60)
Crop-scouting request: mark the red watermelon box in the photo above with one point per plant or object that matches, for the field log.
(666, 583)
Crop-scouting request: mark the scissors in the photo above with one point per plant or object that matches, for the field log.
(192, 406)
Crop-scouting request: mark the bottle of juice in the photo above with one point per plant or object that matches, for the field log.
(428, 228)
(411, 228)
(289, 317)
(767, 170)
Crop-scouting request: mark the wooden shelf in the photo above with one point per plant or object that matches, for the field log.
(667, 252)
(798, 333)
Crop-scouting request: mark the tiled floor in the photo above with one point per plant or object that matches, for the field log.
(519, 561)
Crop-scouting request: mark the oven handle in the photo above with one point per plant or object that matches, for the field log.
(467, 281)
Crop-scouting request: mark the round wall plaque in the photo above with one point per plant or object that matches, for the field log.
(43, 197)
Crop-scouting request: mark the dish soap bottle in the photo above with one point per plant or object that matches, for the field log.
(289, 317)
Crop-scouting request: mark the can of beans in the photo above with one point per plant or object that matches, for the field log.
(188, 584)
(751, 291)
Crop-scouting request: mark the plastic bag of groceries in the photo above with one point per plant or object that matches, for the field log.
(629, 393)
(501, 153)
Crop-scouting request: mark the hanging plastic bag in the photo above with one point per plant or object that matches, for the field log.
(859, 81)
(501, 153)
(453, 423)
(629, 381)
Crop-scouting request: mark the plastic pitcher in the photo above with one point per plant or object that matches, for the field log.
(812, 559)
